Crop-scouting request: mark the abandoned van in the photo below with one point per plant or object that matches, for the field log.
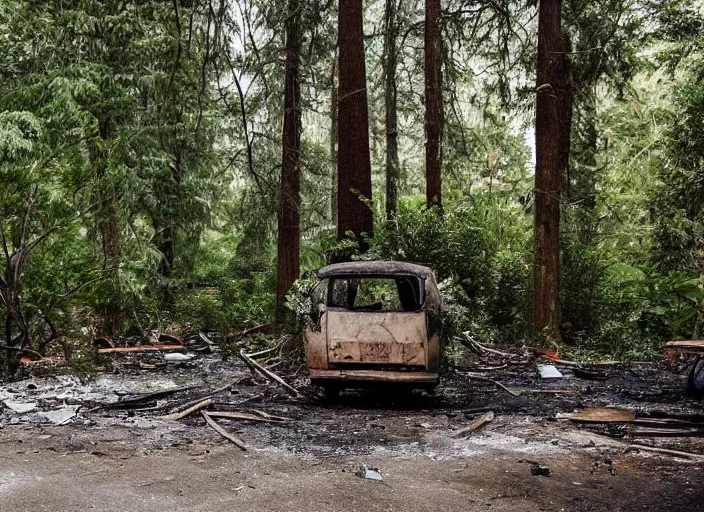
(374, 322)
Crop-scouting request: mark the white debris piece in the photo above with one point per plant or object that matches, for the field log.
(177, 356)
(369, 473)
(60, 416)
(548, 371)
(20, 408)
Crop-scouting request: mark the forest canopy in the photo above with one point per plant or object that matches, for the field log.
(187, 164)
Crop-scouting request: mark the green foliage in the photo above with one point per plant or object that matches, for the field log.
(122, 123)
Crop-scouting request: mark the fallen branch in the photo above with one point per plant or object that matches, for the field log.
(206, 396)
(270, 416)
(251, 330)
(26, 351)
(665, 451)
(468, 341)
(477, 424)
(495, 383)
(266, 351)
(180, 415)
(253, 365)
(213, 424)
(549, 391)
(203, 337)
(656, 432)
(244, 416)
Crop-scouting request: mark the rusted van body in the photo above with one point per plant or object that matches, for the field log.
(372, 322)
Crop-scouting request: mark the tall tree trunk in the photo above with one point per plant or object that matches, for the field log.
(390, 61)
(434, 112)
(167, 236)
(552, 142)
(333, 141)
(354, 170)
(108, 225)
(289, 239)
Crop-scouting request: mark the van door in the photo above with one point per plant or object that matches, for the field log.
(369, 337)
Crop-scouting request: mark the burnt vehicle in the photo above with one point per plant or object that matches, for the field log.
(373, 322)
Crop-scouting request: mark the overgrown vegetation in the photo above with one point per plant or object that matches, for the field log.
(140, 155)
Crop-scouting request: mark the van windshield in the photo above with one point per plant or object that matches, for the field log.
(398, 293)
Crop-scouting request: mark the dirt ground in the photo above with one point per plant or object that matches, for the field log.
(108, 459)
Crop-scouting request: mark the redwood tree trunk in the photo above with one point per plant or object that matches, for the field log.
(390, 60)
(434, 113)
(354, 170)
(552, 141)
(289, 239)
(333, 142)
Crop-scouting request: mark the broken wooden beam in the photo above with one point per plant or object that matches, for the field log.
(480, 422)
(473, 376)
(195, 408)
(246, 417)
(252, 364)
(233, 439)
(664, 451)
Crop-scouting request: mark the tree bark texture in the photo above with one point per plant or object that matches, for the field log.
(354, 173)
(333, 142)
(289, 235)
(434, 112)
(108, 223)
(391, 118)
(552, 142)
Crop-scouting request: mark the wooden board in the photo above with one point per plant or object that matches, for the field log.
(603, 415)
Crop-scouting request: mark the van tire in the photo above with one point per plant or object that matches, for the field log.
(332, 392)
(695, 379)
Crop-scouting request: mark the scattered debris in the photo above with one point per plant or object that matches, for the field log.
(369, 473)
(477, 424)
(468, 341)
(474, 376)
(269, 374)
(548, 371)
(213, 424)
(138, 400)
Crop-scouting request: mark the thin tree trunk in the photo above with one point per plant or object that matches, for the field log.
(108, 225)
(333, 142)
(390, 61)
(289, 239)
(354, 178)
(434, 112)
(167, 237)
(552, 156)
